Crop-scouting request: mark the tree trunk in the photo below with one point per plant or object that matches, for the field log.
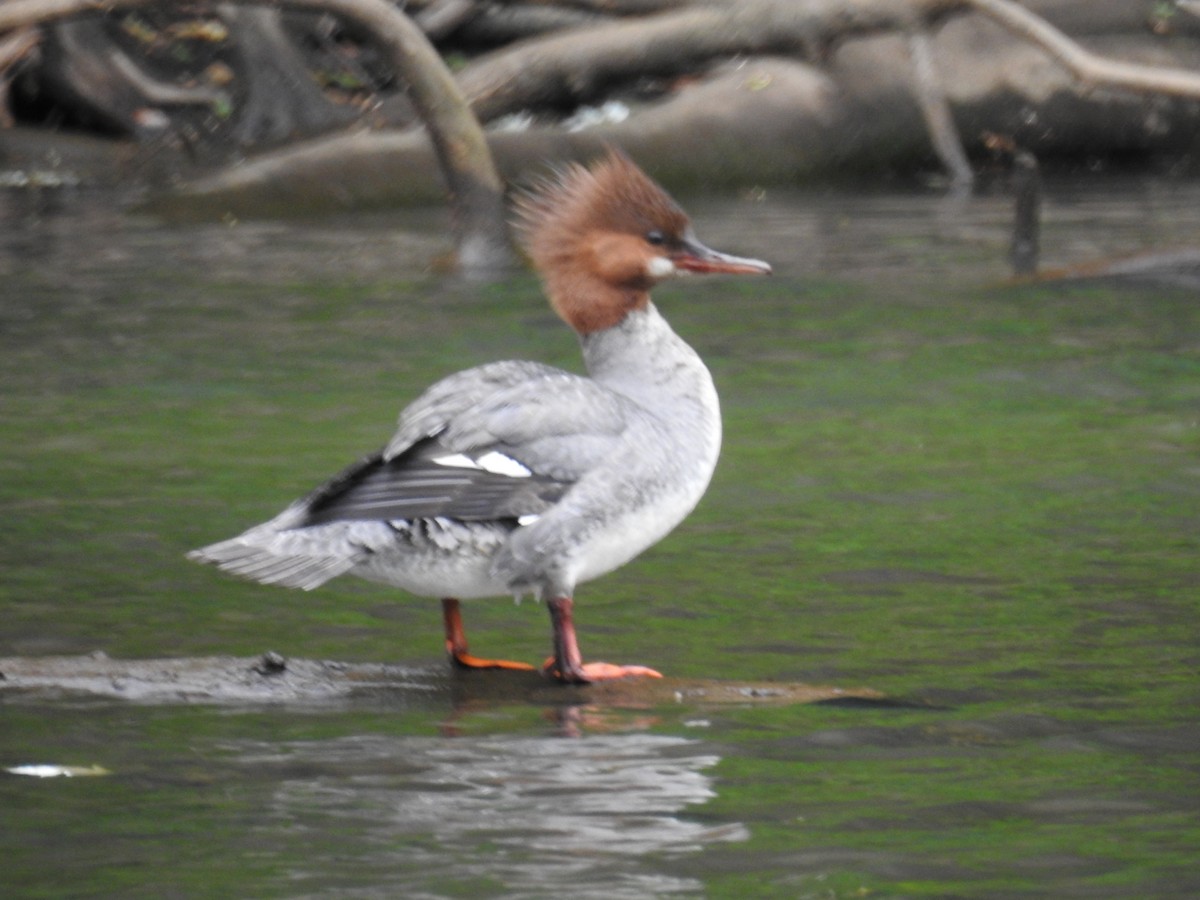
(281, 101)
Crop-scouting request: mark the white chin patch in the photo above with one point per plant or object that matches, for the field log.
(492, 461)
(660, 267)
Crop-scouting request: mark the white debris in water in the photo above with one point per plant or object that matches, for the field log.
(36, 178)
(605, 114)
(518, 121)
(46, 770)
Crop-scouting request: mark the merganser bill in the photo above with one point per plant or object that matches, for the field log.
(516, 477)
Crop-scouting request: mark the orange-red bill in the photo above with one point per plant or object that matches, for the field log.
(693, 256)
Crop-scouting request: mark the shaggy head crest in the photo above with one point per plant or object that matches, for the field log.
(611, 195)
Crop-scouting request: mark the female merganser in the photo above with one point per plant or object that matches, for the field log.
(517, 477)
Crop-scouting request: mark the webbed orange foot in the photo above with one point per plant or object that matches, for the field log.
(567, 665)
(467, 661)
(586, 673)
(456, 644)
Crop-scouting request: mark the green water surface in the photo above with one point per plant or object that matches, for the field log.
(977, 497)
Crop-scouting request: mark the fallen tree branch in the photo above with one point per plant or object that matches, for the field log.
(572, 67)
(1091, 69)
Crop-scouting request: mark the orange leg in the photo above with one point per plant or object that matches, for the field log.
(568, 665)
(456, 643)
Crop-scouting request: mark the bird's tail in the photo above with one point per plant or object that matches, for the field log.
(273, 564)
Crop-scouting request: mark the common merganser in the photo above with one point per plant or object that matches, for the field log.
(516, 477)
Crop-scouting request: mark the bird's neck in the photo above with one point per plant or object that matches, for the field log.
(643, 358)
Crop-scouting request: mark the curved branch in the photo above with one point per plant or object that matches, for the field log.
(456, 134)
(936, 111)
(15, 47)
(1088, 67)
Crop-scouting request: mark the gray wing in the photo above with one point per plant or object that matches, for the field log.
(427, 482)
(551, 422)
(457, 394)
(503, 441)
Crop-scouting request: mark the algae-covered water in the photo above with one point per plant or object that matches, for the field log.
(981, 499)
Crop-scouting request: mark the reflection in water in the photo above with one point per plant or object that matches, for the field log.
(527, 816)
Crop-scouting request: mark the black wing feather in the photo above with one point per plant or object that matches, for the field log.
(413, 486)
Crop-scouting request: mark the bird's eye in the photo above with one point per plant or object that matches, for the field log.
(656, 238)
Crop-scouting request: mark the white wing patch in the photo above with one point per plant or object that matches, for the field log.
(492, 461)
(499, 464)
(456, 461)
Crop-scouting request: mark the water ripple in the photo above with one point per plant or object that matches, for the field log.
(526, 816)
